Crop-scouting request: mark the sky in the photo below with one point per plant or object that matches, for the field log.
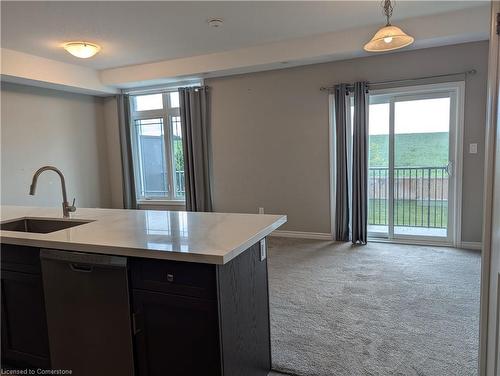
(154, 101)
(417, 116)
(154, 126)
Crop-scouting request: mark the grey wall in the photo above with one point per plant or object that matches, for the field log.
(270, 133)
(40, 127)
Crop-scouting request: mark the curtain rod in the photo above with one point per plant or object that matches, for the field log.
(350, 86)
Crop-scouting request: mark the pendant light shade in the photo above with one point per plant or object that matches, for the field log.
(389, 37)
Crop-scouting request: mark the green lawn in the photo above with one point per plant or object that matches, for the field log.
(409, 213)
(411, 150)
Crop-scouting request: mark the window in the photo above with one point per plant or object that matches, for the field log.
(157, 146)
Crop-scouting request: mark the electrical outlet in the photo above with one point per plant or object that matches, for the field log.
(472, 148)
(261, 210)
(263, 249)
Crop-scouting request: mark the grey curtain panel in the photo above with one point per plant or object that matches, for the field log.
(342, 169)
(129, 197)
(360, 164)
(195, 121)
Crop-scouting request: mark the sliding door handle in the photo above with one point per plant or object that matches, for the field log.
(449, 168)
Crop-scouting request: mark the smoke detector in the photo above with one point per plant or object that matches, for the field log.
(215, 22)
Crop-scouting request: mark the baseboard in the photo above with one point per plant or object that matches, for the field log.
(302, 235)
(463, 245)
(426, 242)
(326, 236)
(471, 245)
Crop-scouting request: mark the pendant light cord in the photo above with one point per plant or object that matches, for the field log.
(388, 9)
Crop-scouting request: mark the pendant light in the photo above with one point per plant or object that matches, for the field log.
(389, 37)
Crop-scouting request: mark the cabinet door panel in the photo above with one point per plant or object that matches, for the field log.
(244, 312)
(175, 335)
(19, 258)
(24, 327)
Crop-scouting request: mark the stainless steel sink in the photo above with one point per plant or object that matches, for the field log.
(40, 225)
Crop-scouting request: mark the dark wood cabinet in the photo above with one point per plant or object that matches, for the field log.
(24, 328)
(188, 319)
(175, 335)
(195, 319)
(243, 296)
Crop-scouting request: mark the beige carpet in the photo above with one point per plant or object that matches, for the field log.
(381, 309)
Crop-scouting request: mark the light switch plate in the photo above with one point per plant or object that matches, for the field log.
(472, 148)
(263, 249)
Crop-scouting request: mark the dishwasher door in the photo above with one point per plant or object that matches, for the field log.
(88, 313)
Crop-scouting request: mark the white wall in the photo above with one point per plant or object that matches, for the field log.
(270, 133)
(22, 68)
(47, 127)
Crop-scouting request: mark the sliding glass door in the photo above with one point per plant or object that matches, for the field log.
(412, 155)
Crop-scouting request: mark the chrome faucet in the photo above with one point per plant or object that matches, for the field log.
(67, 208)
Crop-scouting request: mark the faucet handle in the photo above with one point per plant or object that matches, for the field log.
(72, 207)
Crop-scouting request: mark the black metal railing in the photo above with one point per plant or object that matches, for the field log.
(420, 196)
(180, 187)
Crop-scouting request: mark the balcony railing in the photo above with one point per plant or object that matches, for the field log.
(420, 196)
(180, 186)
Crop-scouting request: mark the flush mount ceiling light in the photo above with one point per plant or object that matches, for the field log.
(83, 50)
(389, 37)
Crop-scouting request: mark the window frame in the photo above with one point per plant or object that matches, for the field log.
(455, 91)
(166, 114)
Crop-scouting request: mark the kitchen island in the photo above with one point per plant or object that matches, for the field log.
(133, 292)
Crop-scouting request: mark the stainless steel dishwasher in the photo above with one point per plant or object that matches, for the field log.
(88, 313)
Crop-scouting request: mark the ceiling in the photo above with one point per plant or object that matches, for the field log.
(139, 32)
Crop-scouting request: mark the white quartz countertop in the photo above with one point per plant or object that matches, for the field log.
(213, 238)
